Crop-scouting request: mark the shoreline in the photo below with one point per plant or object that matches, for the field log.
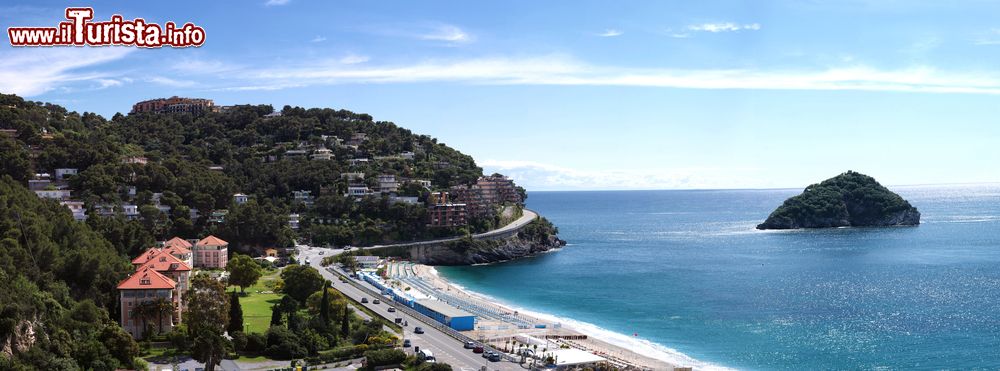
(618, 347)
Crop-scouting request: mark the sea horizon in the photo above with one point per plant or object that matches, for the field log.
(754, 189)
(731, 296)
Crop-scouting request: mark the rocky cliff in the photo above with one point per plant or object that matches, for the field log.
(537, 237)
(850, 199)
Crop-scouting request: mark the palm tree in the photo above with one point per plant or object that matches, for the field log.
(161, 307)
(143, 310)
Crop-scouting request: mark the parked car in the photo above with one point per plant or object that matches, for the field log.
(364, 300)
(477, 349)
(495, 357)
(376, 301)
(469, 345)
(321, 253)
(418, 330)
(406, 343)
(392, 310)
(486, 354)
(399, 320)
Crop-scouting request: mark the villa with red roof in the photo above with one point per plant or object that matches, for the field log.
(211, 252)
(146, 285)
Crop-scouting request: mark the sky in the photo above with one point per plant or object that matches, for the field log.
(584, 95)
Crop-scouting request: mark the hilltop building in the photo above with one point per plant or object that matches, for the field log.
(442, 213)
(174, 104)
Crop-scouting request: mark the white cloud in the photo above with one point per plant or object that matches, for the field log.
(276, 2)
(352, 58)
(989, 38)
(203, 66)
(166, 81)
(33, 71)
(107, 83)
(446, 32)
(611, 32)
(723, 27)
(561, 70)
(541, 176)
(318, 39)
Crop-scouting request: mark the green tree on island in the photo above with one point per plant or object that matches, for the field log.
(243, 271)
(207, 316)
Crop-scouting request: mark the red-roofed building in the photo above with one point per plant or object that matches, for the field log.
(143, 286)
(168, 265)
(211, 252)
(179, 242)
(145, 257)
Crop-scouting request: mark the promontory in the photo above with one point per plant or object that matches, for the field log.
(850, 199)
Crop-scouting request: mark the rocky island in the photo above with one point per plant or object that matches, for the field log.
(850, 199)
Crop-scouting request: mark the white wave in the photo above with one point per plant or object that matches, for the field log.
(634, 344)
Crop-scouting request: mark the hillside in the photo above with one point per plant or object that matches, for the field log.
(850, 199)
(309, 174)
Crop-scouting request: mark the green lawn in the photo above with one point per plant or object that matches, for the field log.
(257, 305)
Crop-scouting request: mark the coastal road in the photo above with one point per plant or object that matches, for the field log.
(446, 349)
(527, 216)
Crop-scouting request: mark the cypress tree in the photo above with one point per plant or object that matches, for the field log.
(235, 314)
(275, 316)
(345, 326)
(324, 309)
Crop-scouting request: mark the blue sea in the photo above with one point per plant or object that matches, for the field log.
(687, 271)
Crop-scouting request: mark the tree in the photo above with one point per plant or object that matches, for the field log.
(324, 306)
(207, 315)
(243, 271)
(275, 316)
(345, 324)
(162, 307)
(301, 281)
(235, 314)
(15, 160)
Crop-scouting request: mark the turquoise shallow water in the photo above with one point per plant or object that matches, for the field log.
(687, 270)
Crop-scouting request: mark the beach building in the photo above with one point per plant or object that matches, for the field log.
(450, 316)
(293, 221)
(353, 176)
(404, 200)
(367, 262)
(567, 359)
(211, 252)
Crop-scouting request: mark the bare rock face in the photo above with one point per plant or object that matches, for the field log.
(467, 252)
(20, 339)
(848, 200)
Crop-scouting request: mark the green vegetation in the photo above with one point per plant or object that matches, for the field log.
(849, 199)
(243, 271)
(197, 162)
(258, 300)
(57, 303)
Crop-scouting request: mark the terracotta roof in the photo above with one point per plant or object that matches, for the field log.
(145, 278)
(177, 250)
(212, 241)
(164, 262)
(179, 242)
(145, 256)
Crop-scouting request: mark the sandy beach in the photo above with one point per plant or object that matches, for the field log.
(502, 327)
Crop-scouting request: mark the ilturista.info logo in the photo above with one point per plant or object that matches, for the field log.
(79, 30)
